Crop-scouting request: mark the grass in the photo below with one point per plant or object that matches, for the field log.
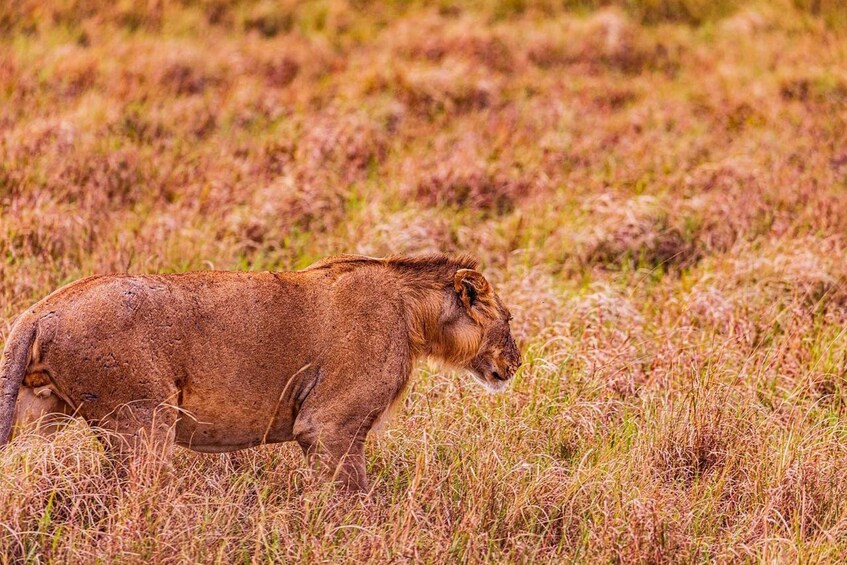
(657, 189)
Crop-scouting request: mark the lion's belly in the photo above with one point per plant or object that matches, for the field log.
(214, 426)
(225, 412)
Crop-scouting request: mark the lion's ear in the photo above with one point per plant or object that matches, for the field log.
(470, 286)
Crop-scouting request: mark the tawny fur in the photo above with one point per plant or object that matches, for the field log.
(219, 361)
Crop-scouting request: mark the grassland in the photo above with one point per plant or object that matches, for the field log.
(656, 187)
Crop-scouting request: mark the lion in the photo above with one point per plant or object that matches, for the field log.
(219, 361)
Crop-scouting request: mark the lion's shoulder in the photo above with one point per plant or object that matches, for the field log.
(409, 263)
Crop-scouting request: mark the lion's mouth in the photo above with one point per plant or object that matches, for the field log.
(493, 380)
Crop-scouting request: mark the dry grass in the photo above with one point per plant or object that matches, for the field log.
(657, 188)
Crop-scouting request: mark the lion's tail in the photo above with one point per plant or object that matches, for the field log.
(13, 370)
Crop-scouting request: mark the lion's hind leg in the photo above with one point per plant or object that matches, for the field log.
(40, 408)
(141, 436)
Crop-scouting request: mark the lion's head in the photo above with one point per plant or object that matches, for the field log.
(481, 322)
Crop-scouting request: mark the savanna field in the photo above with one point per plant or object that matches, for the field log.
(656, 188)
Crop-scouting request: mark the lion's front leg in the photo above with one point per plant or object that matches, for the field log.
(352, 389)
(332, 437)
(341, 459)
